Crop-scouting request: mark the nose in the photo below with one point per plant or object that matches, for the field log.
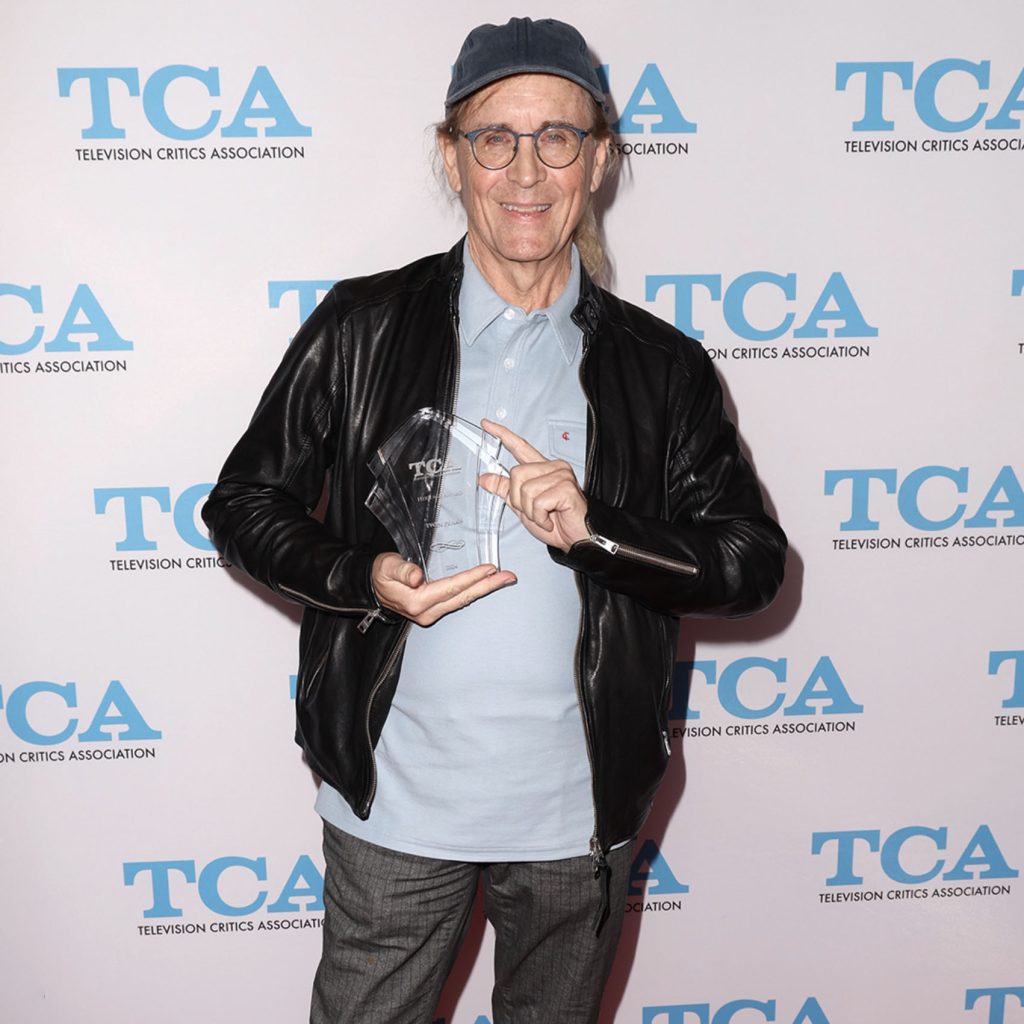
(526, 168)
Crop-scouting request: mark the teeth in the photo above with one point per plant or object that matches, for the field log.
(526, 209)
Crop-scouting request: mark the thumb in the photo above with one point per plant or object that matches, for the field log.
(410, 574)
(393, 567)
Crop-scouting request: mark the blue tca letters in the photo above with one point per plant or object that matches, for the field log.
(878, 79)
(139, 508)
(651, 106)
(996, 661)
(83, 321)
(262, 109)
(993, 1000)
(220, 884)
(308, 294)
(850, 850)
(755, 688)
(1001, 503)
(736, 1011)
(44, 713)
(996, 1001)
(834, 311)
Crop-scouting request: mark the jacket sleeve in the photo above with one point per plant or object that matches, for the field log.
(258, 514)
(718, 552)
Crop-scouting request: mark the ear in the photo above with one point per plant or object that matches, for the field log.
(449, 148)
(600, 165)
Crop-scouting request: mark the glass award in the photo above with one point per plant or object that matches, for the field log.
(427, 496)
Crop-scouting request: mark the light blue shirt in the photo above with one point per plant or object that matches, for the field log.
(483, 756)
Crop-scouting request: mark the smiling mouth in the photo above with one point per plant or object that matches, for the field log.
(534, 208)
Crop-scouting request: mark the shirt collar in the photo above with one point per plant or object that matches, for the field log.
(480, 305)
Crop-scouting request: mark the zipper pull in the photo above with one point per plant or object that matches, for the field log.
(369, 618)
(603, 875)
(603, 542)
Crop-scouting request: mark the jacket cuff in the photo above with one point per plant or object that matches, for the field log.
(378, 610)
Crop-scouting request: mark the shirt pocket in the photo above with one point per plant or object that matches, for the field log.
(567, 439)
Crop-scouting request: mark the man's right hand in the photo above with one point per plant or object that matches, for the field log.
(401, 587)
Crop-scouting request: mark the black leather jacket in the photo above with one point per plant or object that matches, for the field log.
(675, 511)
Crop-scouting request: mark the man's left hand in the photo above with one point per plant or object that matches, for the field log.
(543, 492)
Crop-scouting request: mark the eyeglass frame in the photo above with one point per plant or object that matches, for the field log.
(471, 137)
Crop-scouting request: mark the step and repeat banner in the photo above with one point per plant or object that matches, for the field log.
(827, 196)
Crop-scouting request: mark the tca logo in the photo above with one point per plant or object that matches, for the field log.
(751, 688)
(703, 1013)
(651, 107)
(996, 999)
(262, 102)
(834, 310)
(1017, 283)
(135, 504)
(651, 875)
(919, 844)
(308, 294)
(879, 75)
(935, 488)
(84, 320)
(996, 659)
(40, 712)
(430, 468)
(228, 886)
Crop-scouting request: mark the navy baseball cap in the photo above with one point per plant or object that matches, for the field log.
(523, 46)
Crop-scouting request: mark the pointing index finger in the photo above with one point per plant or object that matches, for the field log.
(521, 449)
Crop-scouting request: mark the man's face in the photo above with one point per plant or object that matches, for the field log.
(525, 213)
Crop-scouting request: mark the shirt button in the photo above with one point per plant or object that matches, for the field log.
(509, 363)
(501, 412)
(510, 313)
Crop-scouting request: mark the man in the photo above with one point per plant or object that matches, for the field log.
(520, 738)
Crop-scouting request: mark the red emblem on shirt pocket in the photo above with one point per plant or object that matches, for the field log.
(566, 440)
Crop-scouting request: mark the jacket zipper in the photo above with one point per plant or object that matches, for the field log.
(305, 599)
(639, 555)
(596, 853)
(375, 613)
(602, 872)
(388, 665)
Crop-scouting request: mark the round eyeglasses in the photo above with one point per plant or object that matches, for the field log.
(556, 145)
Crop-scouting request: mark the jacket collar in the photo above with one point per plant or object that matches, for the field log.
(586, 315)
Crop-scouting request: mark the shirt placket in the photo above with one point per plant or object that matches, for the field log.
(502, 403)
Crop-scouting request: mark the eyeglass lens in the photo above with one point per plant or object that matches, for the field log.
(556, 146)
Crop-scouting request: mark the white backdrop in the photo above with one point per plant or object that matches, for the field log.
(829, 193)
